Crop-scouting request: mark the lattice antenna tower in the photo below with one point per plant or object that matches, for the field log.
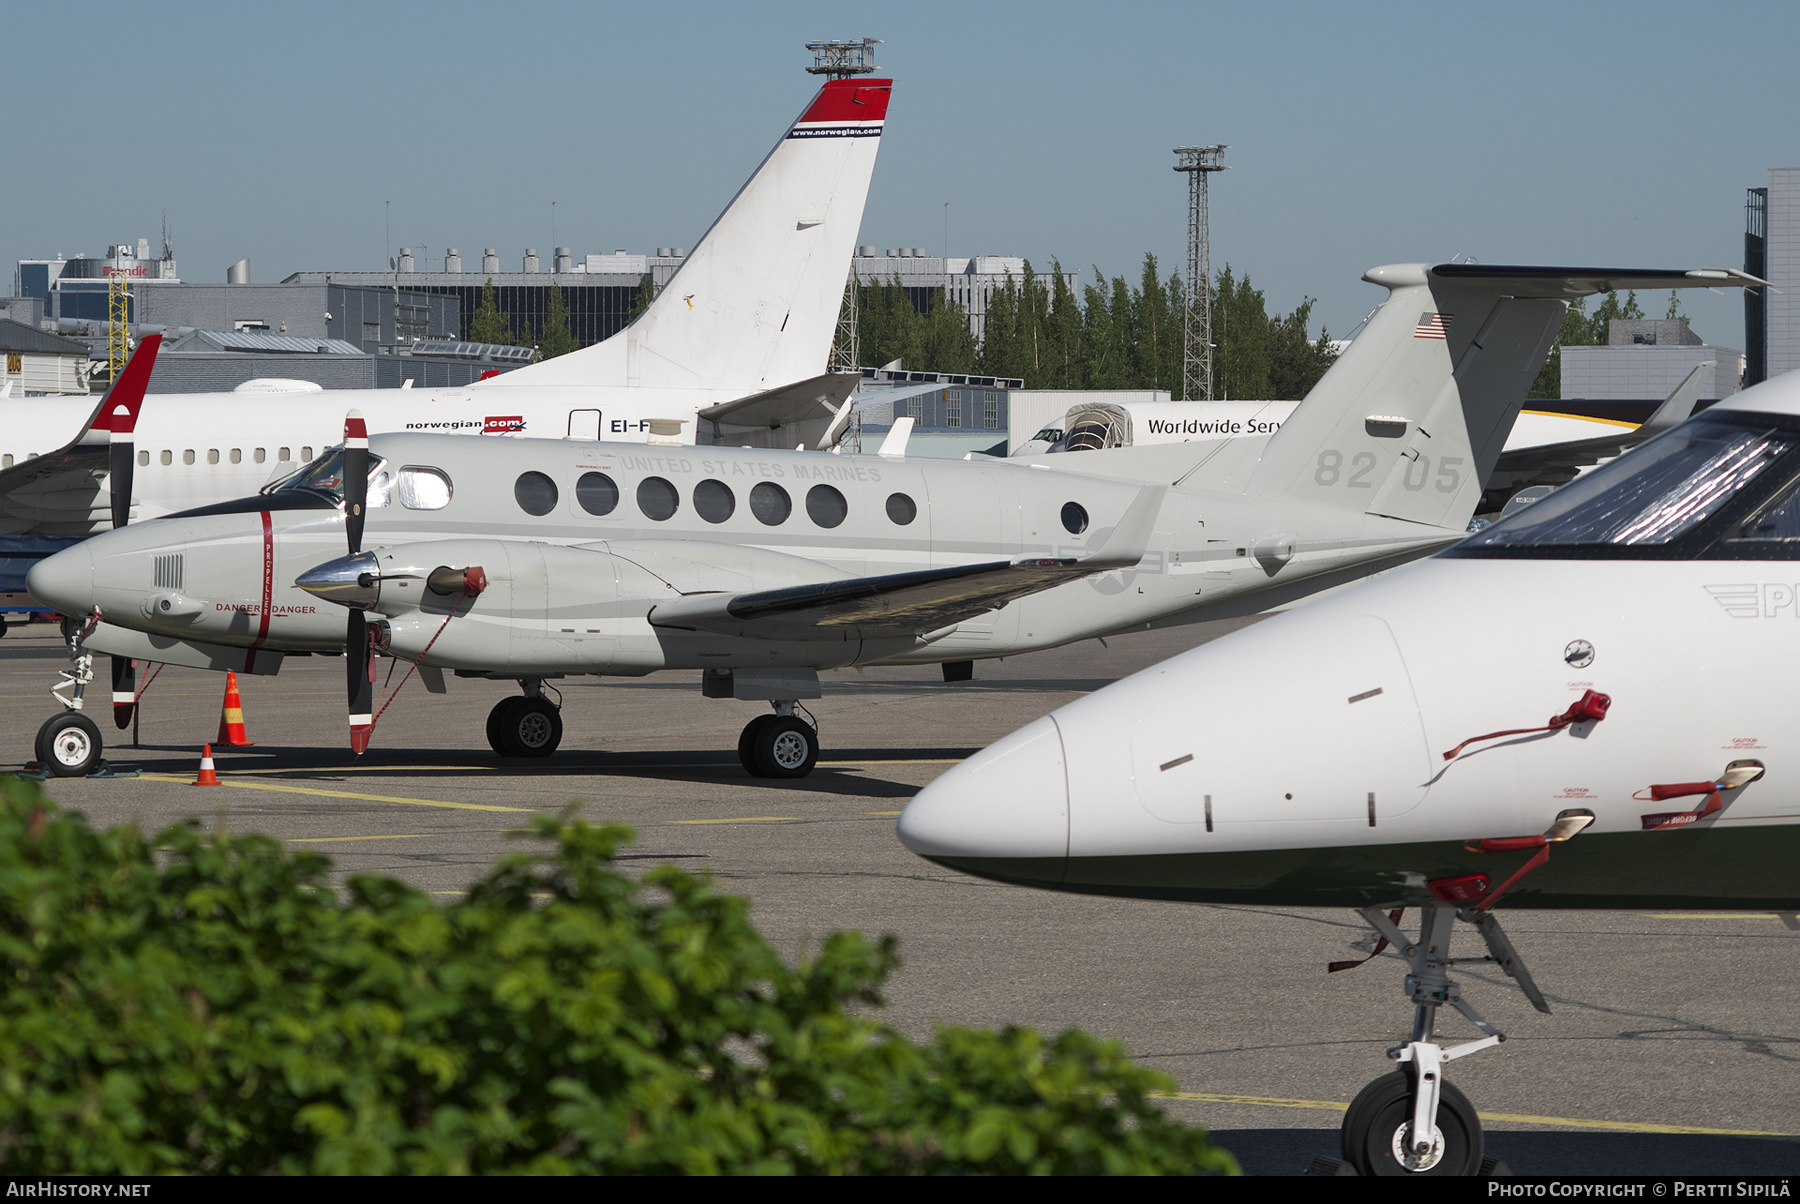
(1197, 344)
(841, 60)
(118, 315)
(845, 351)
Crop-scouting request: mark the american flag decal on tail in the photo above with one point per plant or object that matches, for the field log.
(1432, 326)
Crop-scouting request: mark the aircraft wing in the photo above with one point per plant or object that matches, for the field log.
(819, 397)
(38, 494)
(1558, 463)
(897, 605)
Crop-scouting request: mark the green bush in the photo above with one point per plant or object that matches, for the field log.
(208, 1004)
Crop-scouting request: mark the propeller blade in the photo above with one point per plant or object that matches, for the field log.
(359, 669)
(356, 477)
(121, 461)
(124, 671)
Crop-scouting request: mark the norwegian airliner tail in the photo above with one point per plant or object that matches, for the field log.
(756, 304)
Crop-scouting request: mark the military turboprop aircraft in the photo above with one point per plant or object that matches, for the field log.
(529, 559)
(1602, 742)
(737, 342)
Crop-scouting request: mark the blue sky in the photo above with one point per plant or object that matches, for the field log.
(1360, 134)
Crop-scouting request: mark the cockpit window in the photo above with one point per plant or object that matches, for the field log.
(1715, 487)
(325, 475)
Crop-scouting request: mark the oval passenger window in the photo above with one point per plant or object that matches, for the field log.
(713, 501)
(424, 488)
(657, 498)
(535, 493)
(1075, 519)
(597, 493)
(901, 509)
(770, 504)
(826, 506)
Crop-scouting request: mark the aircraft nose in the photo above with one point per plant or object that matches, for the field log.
(64, 582)
(1003, 813)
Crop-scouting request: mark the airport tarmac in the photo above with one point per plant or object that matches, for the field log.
(1673, 1048)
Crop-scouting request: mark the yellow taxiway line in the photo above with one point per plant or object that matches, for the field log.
(370, 798)
(1566, 1122)
(743, 819)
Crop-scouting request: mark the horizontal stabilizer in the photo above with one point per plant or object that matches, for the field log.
(818, 397)
(1570, 283)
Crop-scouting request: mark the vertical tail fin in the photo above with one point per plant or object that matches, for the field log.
(1411, 419)
(755, 305)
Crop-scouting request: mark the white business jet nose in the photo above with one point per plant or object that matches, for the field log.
(1007, 803)
(64, 582)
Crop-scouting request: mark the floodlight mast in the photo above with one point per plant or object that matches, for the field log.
(1197, 345)
(841, 60)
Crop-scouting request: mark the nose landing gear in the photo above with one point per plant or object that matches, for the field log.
(1413, 1122)
(69, 744)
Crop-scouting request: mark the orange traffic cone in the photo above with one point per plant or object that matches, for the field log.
(207, 776)
(231, 717)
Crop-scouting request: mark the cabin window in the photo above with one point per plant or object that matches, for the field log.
(168, 458)
(826, 506)
(212, 455)
(259, 455)
(424, 488)
(657, 498)
(379, 488)
(283, 456)
(597, 493)
(535, 493)
(714, 501)
(901, 509)
(1074, 518)
(143, 459)
(770, 504)
(237, 455)
(305, 455)
(187, 457)
(6, 461)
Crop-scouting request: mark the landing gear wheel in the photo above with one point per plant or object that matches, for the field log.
(747, 744)
(525, 727)
(1379, 1122)
(786, 747)
(69, 745)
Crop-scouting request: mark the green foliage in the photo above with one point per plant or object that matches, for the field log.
(1582, 329)
(489, 325)
(645, 295)
(1675, 314)
(891, 327)
(556, 339)
(207, 1004)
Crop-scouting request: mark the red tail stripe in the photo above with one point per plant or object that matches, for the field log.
(850, 100)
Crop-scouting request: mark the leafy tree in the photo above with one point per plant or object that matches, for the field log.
(1675, 314)
(207, 1004)
(557, 340)
(489, 325)
(645, 295)
(1581, 329)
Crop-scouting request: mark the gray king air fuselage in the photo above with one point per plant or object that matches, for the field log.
(626, 558)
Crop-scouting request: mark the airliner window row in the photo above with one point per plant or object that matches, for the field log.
(258, 455)
(713, 500)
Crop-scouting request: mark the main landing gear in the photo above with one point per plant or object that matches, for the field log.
(527, 725)
(1412, 1122)
(781, 745)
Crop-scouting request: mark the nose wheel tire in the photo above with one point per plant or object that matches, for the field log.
(785, 747)
(69, 745)
(1376, 1137)
(524, 727)
(747, 744)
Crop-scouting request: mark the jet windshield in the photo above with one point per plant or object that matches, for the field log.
(1721, 486)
